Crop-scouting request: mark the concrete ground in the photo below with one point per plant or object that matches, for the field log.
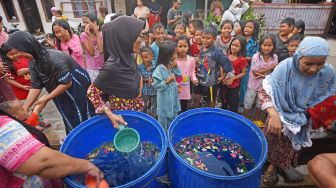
(56, 132)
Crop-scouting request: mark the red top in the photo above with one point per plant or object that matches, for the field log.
(238, 65)
(24, 79)
(194, 50)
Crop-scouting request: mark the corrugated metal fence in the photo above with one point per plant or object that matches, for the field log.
(317, 17)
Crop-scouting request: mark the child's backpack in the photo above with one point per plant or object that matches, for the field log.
(207, 71)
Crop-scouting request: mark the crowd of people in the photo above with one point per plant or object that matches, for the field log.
(163, 71)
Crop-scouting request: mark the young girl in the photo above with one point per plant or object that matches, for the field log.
(168, 104)
(194, 25)
(92, 40)
(180, 30)
(211, 69)
(236, 53)
(224, 39)
(263, 64)
(186, 64)
(251, 31)
(66, 41)
(195, 47)
(239, 27)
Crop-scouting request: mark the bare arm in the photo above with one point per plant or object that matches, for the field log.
(31, 98)
(17, 84)
(274, 122)
(60, 89)
(89, 46)
(53, 164)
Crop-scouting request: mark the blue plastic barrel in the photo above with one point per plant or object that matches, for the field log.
(221, 122)
(92, 133)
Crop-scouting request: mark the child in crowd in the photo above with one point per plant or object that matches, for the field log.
(146, 71)
(299, 27)
(251, 31)
(168, 104)
(15, 108)
(180, 30)
(187, 66)
(145, 42)
(193, 26)
(59, 16)
(159, 34)
(293, 44)
(239, 27)
(66, 41)
(224, 39)
(19, 77)
(263, 64)
(285, 33)
(211, 70)
(236, 54)
(92, 40)
(195, 47)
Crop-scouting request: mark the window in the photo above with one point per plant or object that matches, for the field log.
(81, 7)
(9, 10)
(47, 4)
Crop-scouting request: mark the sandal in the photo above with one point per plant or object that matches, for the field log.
(270, 178)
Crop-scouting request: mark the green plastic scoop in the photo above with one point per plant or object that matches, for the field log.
(126, 140)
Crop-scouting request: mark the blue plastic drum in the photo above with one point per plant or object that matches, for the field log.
(95, 131)
(226, 124)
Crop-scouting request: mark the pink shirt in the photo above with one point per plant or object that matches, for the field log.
(188, 72)
(17, 145)
(96, 61)
(77, 52)
(258, 63)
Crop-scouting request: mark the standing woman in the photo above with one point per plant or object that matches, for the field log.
(296, 85)
(92, 40)
(65, 81)
(119, 81)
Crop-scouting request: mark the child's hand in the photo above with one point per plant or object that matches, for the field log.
(228, 81)
(195, 82)
(23, 71)
(43, 101)
(179, 88)
(170, 78)
(219, 80)
(26, 88)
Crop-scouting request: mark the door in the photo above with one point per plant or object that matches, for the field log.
(31, 16)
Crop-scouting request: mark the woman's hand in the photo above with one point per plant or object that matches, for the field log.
(195, 82)
(115, 119)
(93, 171)
(274, 124)
(43, 101)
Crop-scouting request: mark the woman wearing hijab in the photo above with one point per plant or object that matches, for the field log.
(92, 41)
(296, 85)
(119, 80)
(236, 10)
(59, 74)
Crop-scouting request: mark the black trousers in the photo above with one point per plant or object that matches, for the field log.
(231, 99)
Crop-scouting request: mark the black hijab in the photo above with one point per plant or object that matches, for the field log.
(47, 66)
(120, 76)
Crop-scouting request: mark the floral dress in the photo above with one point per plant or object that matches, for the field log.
(95, 95)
